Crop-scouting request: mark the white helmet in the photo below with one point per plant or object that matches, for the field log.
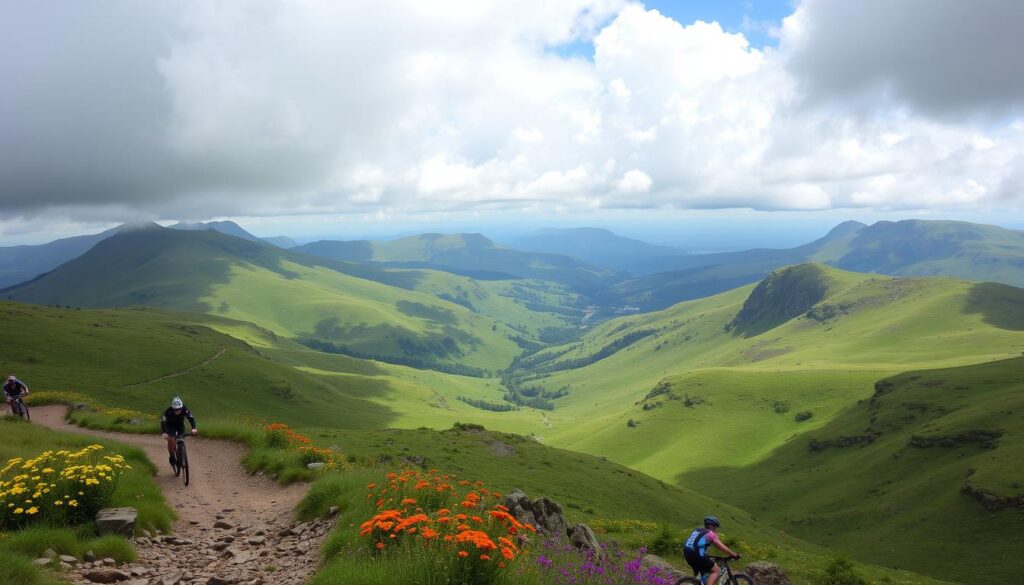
(177, 403)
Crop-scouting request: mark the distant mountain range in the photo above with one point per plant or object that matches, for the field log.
(470, 255)
(596, 246)
(904, 248)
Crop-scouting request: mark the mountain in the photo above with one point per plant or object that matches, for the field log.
(225, 227)
(281, 242)
(21, 263)
(723, 383)
(471, 255)
(330, 305)
(594, 245)
(906, 248)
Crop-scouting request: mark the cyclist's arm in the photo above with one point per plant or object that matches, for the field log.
(163, 424)
(191, 419)
(721, 546)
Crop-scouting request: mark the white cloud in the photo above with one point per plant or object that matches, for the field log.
(635, 181)
(406, 107)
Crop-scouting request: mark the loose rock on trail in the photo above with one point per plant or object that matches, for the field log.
(232, 528)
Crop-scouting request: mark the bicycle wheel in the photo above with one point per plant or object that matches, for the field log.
(177, 459)
(184, 462)
(24, 412)
(739, 579)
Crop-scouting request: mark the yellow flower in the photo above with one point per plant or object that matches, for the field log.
(73, 503)
(19, 510)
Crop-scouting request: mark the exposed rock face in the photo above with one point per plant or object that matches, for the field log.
(117, 521)
(547, 517)
(764, 573)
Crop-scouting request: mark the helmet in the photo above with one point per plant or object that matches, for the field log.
(177, 403)
(712, 520)
(11, 377)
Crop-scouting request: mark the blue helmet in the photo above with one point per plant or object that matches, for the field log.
(712, 520)
(177, 403)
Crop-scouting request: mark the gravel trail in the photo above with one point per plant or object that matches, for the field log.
(232, 527)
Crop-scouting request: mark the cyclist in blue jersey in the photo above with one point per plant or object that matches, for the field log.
(696, 547)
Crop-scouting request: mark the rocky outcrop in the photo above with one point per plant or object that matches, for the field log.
(764, 573)
(547, 517)
(842, 442)
(982, 437)
(991, 501)
(117, 521)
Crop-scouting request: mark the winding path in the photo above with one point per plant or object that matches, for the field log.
(181, 373)
(258, 545)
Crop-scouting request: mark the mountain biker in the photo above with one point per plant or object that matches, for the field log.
(13, 389)
(173, 422)
(696, 546)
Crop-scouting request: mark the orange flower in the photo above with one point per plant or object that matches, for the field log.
(507, 553)
(380, 545)
(463, 553)
(485, 558)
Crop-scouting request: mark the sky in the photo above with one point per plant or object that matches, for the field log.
(321, 117)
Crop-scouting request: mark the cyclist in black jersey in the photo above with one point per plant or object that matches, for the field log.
(173, 422)
(13, 389)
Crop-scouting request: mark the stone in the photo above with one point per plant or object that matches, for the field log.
(109, 562)
(42, 562)
(315, 465)
(656, 562)
(764, 573)
(117, 521)
(550, 517)
(50, 553)
(583, 539)
(257, 541)
(172, 579)
(222, 524)
(220, 581)
(106, 576)
(89, 557)
(219, 546)
(68, 559)
(521, 508)
(333, 511)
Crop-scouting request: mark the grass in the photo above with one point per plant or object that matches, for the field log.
(135, 488)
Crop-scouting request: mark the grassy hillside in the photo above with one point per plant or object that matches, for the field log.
(904, 248)
(594, 245)
(929, 454)
(326, 304)
(468, 254)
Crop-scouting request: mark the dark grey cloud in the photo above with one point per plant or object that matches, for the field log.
(943, 57)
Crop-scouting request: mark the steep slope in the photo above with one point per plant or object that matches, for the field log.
(467, 254)
(904, 248)
(596, 246)
(317, 302)
(21, 263)
(281, 242)
(930, 454)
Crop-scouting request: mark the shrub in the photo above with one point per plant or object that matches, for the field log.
(780, 407)
(58, 487)
(841, 572)
(803, 415)
(664, 543)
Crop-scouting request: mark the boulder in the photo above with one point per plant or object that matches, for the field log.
(664, 567)
(764, 573)
(106, 576)
(315, 465)
(117, 521)
(583, 538)
(521, 508)
(550, 517)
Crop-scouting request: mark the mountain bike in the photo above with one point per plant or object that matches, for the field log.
(180, 457)
(21, 409)
(727, 577)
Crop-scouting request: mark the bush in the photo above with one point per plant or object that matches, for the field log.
(803, 415)
(664, 543)
(841, 572)
(58, 487)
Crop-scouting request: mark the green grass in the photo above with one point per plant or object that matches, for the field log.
(135, 488)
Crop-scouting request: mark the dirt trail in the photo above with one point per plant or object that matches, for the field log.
(262, 544)
(181, 373)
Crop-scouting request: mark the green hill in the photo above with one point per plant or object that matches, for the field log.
(597, 246)
(930, 454)
(724, 382)
(333, 306)
(468, 254)
(904, 248)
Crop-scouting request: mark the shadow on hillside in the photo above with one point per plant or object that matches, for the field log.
(1000, 305)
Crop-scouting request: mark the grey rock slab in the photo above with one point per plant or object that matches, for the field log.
(107, 576)
(117, 521)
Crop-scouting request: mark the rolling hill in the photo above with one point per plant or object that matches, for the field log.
(329, 305)
(229, 228)
(904, 248)
(470, 255)
(723, 383)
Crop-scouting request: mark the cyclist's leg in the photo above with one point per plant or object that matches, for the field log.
(713, 573)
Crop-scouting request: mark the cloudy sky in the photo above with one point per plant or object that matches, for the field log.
(292, 113)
